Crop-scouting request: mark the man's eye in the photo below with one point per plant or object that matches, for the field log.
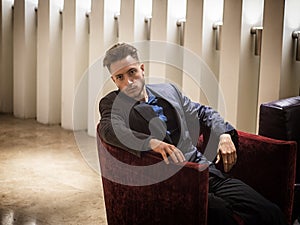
(132, 72)
(119, 77)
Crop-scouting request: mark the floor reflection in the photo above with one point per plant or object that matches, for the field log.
(44, 178)
(9, 217)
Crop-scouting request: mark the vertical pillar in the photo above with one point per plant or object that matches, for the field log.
(193, 42)
(102, 27)
(133, 28)
(74, 64)
(127, 21)
(24, 59)
(6, 56)
(158, 33)
(103, 35)
(290, 72)
(132, 20)
(176, 12)
(212, 16)
(230, 60)
(165, 15)
(252, 16)
(49, 62)
(271, 52)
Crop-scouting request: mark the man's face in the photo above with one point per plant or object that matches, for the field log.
(128, 75)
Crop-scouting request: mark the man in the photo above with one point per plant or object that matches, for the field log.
(158, 117)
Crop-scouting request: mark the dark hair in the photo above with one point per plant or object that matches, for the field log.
(118, 52)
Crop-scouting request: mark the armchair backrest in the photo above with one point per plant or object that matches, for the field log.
(135, 194)
(281, 120)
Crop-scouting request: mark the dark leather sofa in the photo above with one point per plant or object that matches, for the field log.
(280, 119)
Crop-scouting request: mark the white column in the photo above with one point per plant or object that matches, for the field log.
(271, 53)
(6, 57)
(24, 59)
(74, 65)
(127, 21)
(165, 15)
(212, 15)
(132, 20)
(102, 36)
(230, 60)
(158, 33)
(252, 16)
(102, 27)
(133, 28)
(193, 42)
(176, 12)
(290, 71)
(49, 62)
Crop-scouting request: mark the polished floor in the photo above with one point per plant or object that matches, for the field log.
(47, 177)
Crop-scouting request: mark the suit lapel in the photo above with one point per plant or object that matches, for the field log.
(145, 111)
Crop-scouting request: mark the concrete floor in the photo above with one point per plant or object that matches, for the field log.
(46, 177)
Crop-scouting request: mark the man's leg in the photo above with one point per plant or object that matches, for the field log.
(244, 201)
(219, 211)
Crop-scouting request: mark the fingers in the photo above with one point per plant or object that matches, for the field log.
(165, 157)
(166, 150)
(228, 152)
(228, 161)
(218, 157)
(176, 155)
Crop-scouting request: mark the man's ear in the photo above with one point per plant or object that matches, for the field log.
(142, 67)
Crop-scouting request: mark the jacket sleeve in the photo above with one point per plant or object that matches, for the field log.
(210, 123)
(114, 131)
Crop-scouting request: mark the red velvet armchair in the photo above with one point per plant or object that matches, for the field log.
(135, 195)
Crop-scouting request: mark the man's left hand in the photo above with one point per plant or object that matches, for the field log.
(226, 151)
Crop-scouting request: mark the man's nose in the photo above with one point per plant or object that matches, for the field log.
(130, 81)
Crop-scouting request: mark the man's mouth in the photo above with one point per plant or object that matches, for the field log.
(131, 89)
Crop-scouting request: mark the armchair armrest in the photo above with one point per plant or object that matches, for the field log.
(144, 190)
(269, 166)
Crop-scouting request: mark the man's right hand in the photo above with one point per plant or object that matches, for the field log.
(166, 149)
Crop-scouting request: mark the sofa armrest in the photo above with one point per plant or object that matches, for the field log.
(144, 190)
(269, 166)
